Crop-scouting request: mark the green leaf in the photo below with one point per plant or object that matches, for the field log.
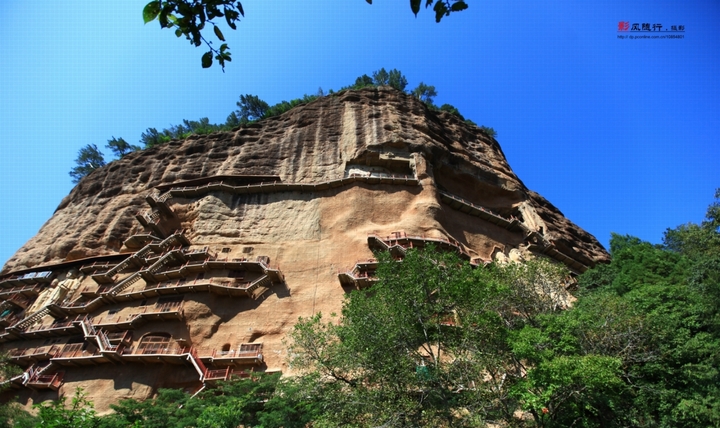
(151, 11)
(178, 32)
(219, 33)
(369, 1)
(458, 6)
(207, 60)
(415, 6)
(230, 17)
(440, 10)
(240, 9)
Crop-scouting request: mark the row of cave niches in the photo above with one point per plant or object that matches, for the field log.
(117, 309)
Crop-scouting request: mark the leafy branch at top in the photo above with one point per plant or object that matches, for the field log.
(189, 18)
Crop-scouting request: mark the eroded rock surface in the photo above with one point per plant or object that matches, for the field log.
(218, 243)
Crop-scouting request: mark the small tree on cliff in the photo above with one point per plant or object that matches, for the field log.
(393, 78)
(425, 93)
(251, 107)
(120, 147)
(89, 159)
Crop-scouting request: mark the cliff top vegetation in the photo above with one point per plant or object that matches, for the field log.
(252, 109)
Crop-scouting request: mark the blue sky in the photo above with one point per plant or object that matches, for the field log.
(620, 134)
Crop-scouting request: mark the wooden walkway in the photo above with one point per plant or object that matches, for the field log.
(219, 186)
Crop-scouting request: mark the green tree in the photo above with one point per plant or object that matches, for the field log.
(297, 402)
(382, 77)
(151, 138)
(414, 349)
(11, 414)
(363, 81)
(201, 126)
(229, 404)
(79, 414)
(490, 132)
(233, 120)
(250, 108)
(697, 240)
(669, 294)
(425, 93)
(452, 110)
(120, 147)
(89, 159)
(397, 80)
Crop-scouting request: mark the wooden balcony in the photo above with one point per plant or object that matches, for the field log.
(9, 317)
(19, 300)
(399, 242)
(140, 240)
(161, 312)
(26, 278)
(216, 375)
(247, 353)
(59, 328)
(124, 337)
(82, 306)
(235, 286)
(28, 290)
(166, 288)
(79, 354)
(467, 207)
(96, 267)
(224, 185)
(362, 275)
(27, 356)
(151, 354)
(46, 381)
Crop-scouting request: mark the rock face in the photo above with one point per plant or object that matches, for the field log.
(188, 262)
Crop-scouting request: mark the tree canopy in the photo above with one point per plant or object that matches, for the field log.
(120, 147)
(89, 159)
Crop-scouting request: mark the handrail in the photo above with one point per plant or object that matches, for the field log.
(261, 187)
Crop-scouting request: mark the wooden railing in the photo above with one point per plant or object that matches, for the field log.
(170, 349)
(35, 288)
(51, 381)
(56, 324)
(73, 351)
(224, 374)
(389, 178)
(39, 350)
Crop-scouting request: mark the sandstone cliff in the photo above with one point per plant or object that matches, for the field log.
(202, 253)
